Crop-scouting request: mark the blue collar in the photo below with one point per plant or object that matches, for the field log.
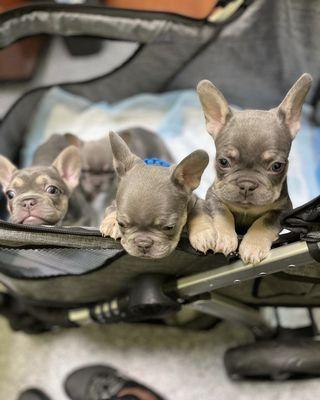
(157, 161)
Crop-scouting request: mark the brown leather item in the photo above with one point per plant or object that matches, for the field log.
(18, 61)
(198, 9)
(6, 5)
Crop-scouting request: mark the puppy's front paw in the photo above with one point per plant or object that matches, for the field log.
(226, 240)
(254, 248)
(110, 227)
(203, 240)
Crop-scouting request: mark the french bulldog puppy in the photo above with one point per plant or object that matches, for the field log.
(39, 195)
(80, 210)
(154, 203)
(252, 149)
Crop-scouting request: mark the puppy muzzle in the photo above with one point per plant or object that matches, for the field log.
(148, 247)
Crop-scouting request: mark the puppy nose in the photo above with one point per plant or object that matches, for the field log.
(29, 203)
(144, 244)
(247, 185)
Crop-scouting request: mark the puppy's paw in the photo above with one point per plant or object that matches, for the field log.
(253, 249)
(109, 227)
(203, 240)
(226, 241)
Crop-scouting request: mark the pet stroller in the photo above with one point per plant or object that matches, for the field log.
(56, 277)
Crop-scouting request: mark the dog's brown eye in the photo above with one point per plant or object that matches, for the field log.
(224, 163)
(10, 194)
(52, 189)
(277, 167)
(121, 224)
(168, 227)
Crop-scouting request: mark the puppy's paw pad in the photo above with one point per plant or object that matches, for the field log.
(203, 240)
(110, 228)
(252, 252)
(226, 242)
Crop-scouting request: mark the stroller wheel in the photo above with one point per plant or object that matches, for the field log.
(274, 360)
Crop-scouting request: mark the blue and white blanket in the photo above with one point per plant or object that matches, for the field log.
(177, 117)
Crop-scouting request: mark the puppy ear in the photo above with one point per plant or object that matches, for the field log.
(289, 110)
(123, 158)
(215, 107)
(73, 140)
(6, 171)
(68, 164)
(188, 172)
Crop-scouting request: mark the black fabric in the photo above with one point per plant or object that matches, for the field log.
(304, 220)
(33, 263)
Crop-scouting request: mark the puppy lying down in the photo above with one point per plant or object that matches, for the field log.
(39, 195)
(153, 204)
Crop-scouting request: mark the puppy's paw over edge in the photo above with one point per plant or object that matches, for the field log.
(203, 240)
(253, 250)
(110, 227)
(202, 235)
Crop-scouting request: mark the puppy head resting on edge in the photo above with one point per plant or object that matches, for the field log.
(39, 195)
(152, 202)
(252, 146)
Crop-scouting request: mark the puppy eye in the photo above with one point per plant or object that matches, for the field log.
(121, 224)
(10, 194)
(224, 163)
(52, 189)
(277, 167)
(168, 227)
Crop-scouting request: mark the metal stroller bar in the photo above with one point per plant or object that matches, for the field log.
(288, 256)
(230, 310)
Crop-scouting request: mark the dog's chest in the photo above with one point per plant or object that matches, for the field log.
(245, 218)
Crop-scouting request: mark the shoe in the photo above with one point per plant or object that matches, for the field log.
(33, 394)
(97, 382)
(101, 382)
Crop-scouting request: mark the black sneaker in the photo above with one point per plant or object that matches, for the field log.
(100, 382)
(33, 394)
(94, 383)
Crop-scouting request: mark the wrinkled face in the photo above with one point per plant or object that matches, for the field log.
(97, 173)
(37, 196)
(251, 159)
(151, 212)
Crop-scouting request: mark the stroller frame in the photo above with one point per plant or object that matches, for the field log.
(187, 291)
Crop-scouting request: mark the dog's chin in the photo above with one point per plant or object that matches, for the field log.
(252, 201)
(154, 253)
(32, 220)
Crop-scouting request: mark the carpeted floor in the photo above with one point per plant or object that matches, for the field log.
(182, 365)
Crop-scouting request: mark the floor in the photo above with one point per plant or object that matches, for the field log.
(181, 365)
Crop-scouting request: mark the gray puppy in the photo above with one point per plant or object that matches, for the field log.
(39, 195)
(80, 210)
(154, 203)
(252, 149)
